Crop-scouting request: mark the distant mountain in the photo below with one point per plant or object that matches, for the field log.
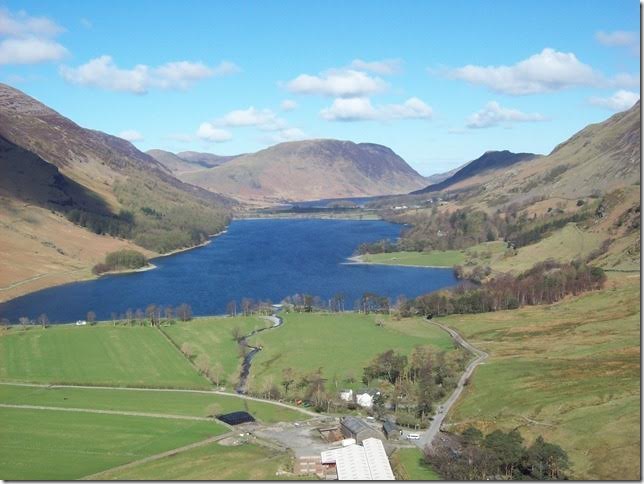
(439, 177)
(187, 161)
(100, 181)
(311, 170)
(490, 160)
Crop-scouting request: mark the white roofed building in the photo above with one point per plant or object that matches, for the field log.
(366, 462)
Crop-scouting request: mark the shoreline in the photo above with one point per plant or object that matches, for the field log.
(358, 260)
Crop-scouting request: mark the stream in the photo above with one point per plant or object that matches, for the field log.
(245, 370)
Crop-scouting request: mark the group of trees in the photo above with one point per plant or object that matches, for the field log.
(121, 260)
(498, 455)
(410, 386)
(547, 282)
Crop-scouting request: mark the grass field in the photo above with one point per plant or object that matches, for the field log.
(210, 462)
(95, 355)
(53, 445)
(409, 465)
(569, 371)
(339, 344)
(173, 403)
(212, 337)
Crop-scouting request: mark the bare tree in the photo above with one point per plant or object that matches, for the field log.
(188, 350)
(169, 313)
(184, 312)
(129, 315)
(151, 312)
(43, 320)
(114, 318)
(231, 307)
(247, 305)
(24, 321)
(216, 373)
(139, 315)
(91, 317)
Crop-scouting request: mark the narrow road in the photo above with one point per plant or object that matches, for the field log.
(428, 436)
(107, 412)
(176, 390)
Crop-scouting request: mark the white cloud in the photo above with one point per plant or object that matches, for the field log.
(208, 132)
(617, 38)
(30, 51)
(494, 114)
(547, 71)
(226, 68)
(361, 109)
(264, 119)
(383, 67)
(337, 83)
(28, 40)
(288, 105)
(103, 73)
(131, 135)
(287, 134)
(620, 101)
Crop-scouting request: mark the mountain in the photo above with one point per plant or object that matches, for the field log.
(311, 170)
(490, 160)
(187, 161)
(76, 193)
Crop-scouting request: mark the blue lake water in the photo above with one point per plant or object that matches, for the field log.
(261, 259)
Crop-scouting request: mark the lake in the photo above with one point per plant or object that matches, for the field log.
(265, 259)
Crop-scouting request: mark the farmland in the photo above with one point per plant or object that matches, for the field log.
(319, 345)
(409, 464)
(39, 444)
(210, 462)
(569, 372)
(95, 355)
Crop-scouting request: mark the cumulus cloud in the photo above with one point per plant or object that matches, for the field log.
(619, 101)
(383, 67)
(361, 109)
(208, 132)
(28, 40)
(337, 83)
(131, 135)
(288, 105)
(102, 72)
(494, 114)
(264, 119)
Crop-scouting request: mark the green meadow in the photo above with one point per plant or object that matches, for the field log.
(569, 372)
(210, 462)
(55, 445)
(338, 344)
(95, 355)
(409, 465)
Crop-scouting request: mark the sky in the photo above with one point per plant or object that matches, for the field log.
(439, 82)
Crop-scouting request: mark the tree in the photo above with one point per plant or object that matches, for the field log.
(152, 314)
(546, 461)
(216, 372)
(24, 321)
(43, 320)
(91, 317)
(129, 315)
(184, 312)
(472, 436)
(507, 449)
(169, 313)
(139, 315)
(231, 307)
(203, 365)
(237, 334)
(188, 350)
(288, 377)
(246, 305)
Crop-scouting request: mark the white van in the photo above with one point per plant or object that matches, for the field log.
(413, 436)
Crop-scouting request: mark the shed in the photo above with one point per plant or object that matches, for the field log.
(354, 428)
(236, 418)
(391, 430)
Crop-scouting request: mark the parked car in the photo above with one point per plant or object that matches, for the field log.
(413, 436)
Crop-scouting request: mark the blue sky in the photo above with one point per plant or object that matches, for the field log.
(438, 82)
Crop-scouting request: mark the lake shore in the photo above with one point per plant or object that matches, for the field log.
(357, 259)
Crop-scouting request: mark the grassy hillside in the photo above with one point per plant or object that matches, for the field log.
(569, 372)
(53, 445)
(211, 462)
(95, 355)
(409, 464)
(338, 344)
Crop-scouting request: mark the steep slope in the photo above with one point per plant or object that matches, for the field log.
(311, 170)
(187, 161)
(139, 199)
(490, 160)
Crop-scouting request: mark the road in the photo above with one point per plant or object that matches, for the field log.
(428, 436)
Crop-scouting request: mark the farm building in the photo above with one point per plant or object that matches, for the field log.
(346, 395)
(352, 462)
(354, 428)
(365, 397)
(391, 430)
(236, 418)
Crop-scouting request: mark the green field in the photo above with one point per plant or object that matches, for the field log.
(339, 344)
(569, 371)
(54, 445)
(95, 355)
(213, 337)
(210, 462)
(409, 464)
(169, 402)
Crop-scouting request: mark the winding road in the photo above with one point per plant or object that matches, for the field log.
(429, 435)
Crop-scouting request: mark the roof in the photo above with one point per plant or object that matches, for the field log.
(363, 463)
(236, 418)
(389, 426)
(354, 424)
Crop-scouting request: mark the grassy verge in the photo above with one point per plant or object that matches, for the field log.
(409, 465)
(569, 372)
(51, 445)
(173, 403)
(95, 355)
(210, 462)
